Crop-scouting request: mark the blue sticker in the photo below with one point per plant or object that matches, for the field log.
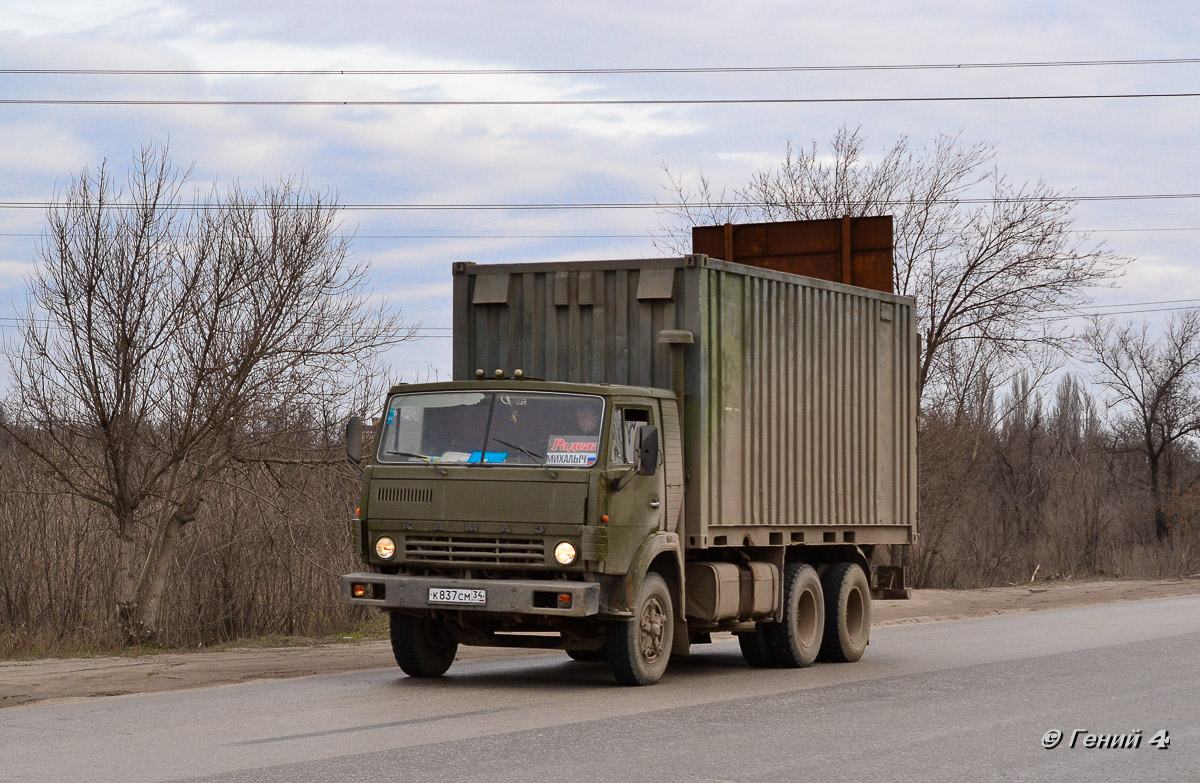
(491, 456)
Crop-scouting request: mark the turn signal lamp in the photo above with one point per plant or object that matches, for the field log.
(564, 553)
(385, 547)
(359, 590)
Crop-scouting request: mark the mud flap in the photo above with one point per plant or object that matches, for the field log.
(681, 643)
(888, 583)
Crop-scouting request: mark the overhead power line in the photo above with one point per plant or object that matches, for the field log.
(1136, 230)
(42, 324)
(1110, 313)
(586, 234)
(1145, 304)
(587, 101)
(618, 205)
(468, 235)
(444, 332)
(584, 71)
(1083, 310)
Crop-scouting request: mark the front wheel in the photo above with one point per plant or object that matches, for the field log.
(639, 648)
(422, 646)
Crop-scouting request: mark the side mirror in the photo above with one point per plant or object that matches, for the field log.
(354, 440)
(646, 460)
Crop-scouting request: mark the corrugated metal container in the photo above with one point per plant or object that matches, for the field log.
(801, 404)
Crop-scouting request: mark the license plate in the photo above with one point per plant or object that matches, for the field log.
(453, 595)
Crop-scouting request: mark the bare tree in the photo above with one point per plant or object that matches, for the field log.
(1155, 386)
(986, 269)
(159, 337)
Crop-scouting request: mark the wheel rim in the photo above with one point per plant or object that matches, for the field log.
(652, 630)
(855, 614)
(806, 618)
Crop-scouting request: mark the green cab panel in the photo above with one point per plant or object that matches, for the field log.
(531, 498)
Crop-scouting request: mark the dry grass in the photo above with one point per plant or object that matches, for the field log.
(260, 564)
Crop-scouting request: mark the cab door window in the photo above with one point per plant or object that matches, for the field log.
(624, 429)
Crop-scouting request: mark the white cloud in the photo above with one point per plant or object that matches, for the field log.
(222, 52)
(414, 154)
(418, 293)
(76, 16)
(39, 147)
(14, 273)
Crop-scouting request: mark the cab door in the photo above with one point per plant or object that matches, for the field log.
(634, 501)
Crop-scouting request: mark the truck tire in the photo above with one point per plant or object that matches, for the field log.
(422, 646)
(755, 648)
(847, 613)
(795, 642)
(639, 648)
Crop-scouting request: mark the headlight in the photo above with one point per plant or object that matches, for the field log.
(564, 553)
(385, 547)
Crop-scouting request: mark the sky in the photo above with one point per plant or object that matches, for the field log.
(601, 153)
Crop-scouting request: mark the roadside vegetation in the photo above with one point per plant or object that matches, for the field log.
(171, 448)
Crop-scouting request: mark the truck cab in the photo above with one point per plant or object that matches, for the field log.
(508, 511)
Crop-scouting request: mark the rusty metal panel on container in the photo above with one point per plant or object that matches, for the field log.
(854, 250)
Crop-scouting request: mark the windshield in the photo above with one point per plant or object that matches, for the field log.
(493, 428)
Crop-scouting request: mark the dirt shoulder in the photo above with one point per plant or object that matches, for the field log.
(61, 679)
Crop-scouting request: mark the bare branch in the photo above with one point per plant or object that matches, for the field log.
(990, 272)
(162, 343)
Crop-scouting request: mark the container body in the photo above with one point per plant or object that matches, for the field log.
(798, 395)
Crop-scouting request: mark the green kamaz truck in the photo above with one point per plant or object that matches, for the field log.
(634, 455)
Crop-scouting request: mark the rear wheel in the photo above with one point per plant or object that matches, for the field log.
(794, 643)
(847, 613)
(422, 646)
(755, 648)
(639, 648)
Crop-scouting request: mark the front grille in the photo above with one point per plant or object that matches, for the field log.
(474, 551)
(404, 495)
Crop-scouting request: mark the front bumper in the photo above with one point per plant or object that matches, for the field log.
(512, 596)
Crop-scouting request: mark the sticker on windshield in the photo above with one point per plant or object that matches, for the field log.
(572, 450)
(488, 456)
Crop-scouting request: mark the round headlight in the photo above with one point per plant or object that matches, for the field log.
(564, 553)
(385, 547)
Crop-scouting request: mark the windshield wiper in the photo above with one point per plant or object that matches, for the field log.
(427, 460)
(535, 457)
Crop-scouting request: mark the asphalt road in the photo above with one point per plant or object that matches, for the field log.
(950, 701)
